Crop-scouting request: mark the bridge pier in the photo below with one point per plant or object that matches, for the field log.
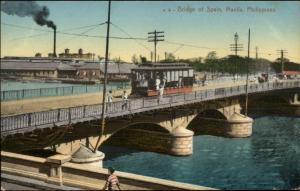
(239, 126)
(84, 155)
(295, 104)
(181, 142)
(178, 143)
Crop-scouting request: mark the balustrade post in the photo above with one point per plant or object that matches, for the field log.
(56, 91)
(129, 105)
(23, 92)
(84, 109)
(69, 117)
(40, 92)
(29, 119)
(58, 115)
(72, 90)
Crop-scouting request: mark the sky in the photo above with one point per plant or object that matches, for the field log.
(191, 23)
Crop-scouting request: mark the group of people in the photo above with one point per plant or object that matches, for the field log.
(109, 100)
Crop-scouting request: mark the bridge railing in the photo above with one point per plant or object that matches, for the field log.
(13, 124)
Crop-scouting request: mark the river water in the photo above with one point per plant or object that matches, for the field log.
(269, 159)
(7, 85)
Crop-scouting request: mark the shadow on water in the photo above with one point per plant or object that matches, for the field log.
(114, 152)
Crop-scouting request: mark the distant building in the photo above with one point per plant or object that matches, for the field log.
(62, 68)
(35, 69)
(37, 59)
(80, 55)
(95, 70)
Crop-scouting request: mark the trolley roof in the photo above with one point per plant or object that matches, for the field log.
(163, 66)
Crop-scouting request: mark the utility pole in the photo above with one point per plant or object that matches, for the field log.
(105, 79)
(235, 48)
(256, 52)
(248, 60)
(282, 52)
(155, 37)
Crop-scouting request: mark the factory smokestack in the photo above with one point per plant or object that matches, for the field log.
(54, 43)
(28, 9)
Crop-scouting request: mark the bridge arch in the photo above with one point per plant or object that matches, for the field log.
(212, 113)
(208, 121)
(137, 126)
(142, 136)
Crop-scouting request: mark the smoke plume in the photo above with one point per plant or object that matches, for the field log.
(28, 9)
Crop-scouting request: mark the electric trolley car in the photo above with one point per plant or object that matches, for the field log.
(148, 79)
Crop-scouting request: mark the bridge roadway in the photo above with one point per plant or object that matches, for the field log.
(65, 116)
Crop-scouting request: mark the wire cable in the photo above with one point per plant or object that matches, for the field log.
(41, 34)
(135, 39)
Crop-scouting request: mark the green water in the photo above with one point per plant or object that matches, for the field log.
(269, 159)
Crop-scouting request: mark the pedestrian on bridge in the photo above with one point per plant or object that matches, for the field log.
(109, 99)
(124, 100)
(112, 181)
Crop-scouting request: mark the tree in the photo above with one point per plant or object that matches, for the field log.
(143, 59)
(134, 59)
(212, 55)
(211, 61)
(100, 58)
(284, 60)
(116, 60)
(170, 57)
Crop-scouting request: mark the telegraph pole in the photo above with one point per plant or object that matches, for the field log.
(282, 52)
(235, 48)
(105, 79)
(155, 37)
(248, 60)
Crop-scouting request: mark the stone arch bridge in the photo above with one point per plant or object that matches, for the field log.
(170, 116)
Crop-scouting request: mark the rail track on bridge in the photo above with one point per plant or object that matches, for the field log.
(27, 122)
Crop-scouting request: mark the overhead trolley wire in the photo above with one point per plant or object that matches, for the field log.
(130, 37)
